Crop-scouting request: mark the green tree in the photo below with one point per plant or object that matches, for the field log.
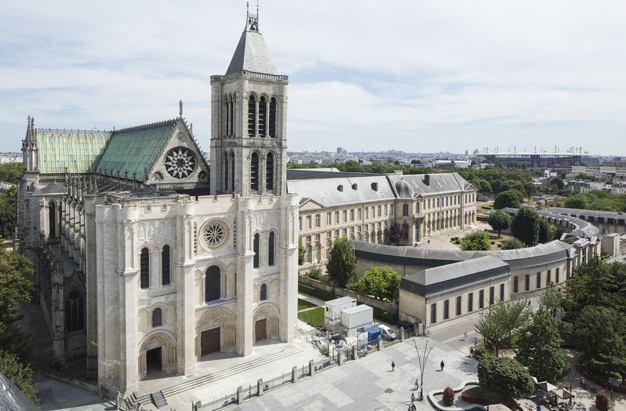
(7, 212)
(501, 322)
(506, 199)
(300, 252)
(506, 377)
(530, 189)
(557, 182)
(15, 287)
(525, 226)
(512, 244)
(499, 221)
(396, 234)
(581, 176)
(416, 161)
(380, 282)
(341, 265)
(545, 231)
(601, 334)
(476, 241)
(540, 348)
(579, 201)
(21, 375)
(352, 166)
(552, 298)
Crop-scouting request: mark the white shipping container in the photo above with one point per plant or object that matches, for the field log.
(356, 317)
(333, 308)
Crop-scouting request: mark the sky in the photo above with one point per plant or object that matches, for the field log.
(417, 76)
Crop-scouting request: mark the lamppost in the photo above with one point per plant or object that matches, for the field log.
(422, 363)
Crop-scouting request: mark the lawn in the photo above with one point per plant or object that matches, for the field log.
(314, 317)
(477, 392)
(493, 236)
(303, 305)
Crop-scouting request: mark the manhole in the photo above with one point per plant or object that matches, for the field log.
(388, 390)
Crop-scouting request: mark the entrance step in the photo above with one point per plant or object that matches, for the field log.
(158, 399)
(205, 379)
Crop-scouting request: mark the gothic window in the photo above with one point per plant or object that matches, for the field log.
(165, 265)
(52, 220)
(273, 118)
(252, 116)
(231, 123)
(270, 249)
(263, 117)
(232, 171)
(226, 172)
(269, 172)
(254, 172)
(74, 312)
(264, 292)
(180, 162)
(213, 283)
(145, 268)
(256, 250)
(156, 318)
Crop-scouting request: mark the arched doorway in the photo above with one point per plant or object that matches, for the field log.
(215, 332)
(157, 353)
(265, 322)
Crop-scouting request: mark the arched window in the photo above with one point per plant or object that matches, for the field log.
(252, 116)
(226, 173)
(270, 250)
(232, 116)
(269, 172)
(145, 268)
(264, 292)
(213, 283)
(254, 172)
(165, 265)
(74, 312)
(263, 117)
(256, 251)
(156, 318)
(273, 118)
(405, 209)
(232, 171)
(52, 218)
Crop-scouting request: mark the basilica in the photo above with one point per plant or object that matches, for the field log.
(146, 258)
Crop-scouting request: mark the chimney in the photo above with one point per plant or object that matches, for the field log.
(427, 179)
(375, 186)
(340, 187)
(355, 186)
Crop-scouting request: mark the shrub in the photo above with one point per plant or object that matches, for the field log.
(602, 401)
(499, 245)
(315, 273)
(448, 397)
(480, 351)
(493, 242)
(457, 241)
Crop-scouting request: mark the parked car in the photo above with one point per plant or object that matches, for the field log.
(386, 332)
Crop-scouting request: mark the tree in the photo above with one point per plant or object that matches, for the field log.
(530, 189)
(551, 299)
(7, 212)
(20, 375)
(381, 282)
(396, 234)
(505, 376)
(476, 241)
(557, 182)
(501, 322)
(15, 288)
(352, 166)
(540, 348)
(525, 226)
(300, 252)
(416, 161)
(341, 265)
(512, 244)
(506, 199)
(499, 221)
(545, 231)
(601, 334)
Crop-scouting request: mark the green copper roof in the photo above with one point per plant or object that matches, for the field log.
(135, 149)
(74, 151)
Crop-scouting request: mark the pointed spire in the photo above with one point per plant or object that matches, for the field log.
(180, 109)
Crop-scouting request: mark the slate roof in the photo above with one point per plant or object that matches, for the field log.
(134, 150)
(54, 188)
(252, 54)
(74, 151)
(11, 398)
(448, 277)
(412, 185)
(325, 191)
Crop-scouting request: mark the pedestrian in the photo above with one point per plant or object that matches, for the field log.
(416, 384)
(471, 351)
(393, 366)
(412, 397)
(465, 333)
(475, 342)
(442, 364)
(529, 303)
(538, 407)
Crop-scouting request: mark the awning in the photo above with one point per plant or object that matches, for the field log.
(546, 386)
(562, 393)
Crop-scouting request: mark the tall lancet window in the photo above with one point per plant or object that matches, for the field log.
(269, 172)
(252, 116)
(226, 173)
(254, 172)
(232, 171)
(263, 117)
(231, 111)
(273, 118)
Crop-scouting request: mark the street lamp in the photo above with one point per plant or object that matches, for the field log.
(422, 364)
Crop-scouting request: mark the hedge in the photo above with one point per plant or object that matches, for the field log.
(316, 292)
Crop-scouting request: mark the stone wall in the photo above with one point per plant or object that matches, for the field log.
(361, 298)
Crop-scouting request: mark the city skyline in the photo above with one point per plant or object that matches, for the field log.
(434, 77)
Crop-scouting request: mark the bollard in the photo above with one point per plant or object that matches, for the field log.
(259, 386)
(240, 395)
(402, 334)
(311, 368)
(339, 358)
(294, 374)
(379, 343)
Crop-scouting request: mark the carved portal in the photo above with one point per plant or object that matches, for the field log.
(269, 313)
(218, 318)
(168, 352)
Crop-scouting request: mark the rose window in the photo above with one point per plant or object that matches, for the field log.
(214, 234)
(180, 162)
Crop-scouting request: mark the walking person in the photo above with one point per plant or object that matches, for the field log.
(442, 364)
(412, 397)
(465, 333)
(416, 384)
(393, 366)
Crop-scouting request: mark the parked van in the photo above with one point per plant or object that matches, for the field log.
(386, 332)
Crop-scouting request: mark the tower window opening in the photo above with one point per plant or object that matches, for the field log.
(232, 171)
(252, 116)
(254, 172)
(226, 173)
(263, 117)
(165, 265)
(256, 251)
(269, 172)
(213, 283)
(270, 250)
(273, 118)
(145, 268)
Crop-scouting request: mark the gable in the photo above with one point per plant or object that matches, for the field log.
(310, 205)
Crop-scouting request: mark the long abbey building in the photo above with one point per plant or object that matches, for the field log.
(145, 259)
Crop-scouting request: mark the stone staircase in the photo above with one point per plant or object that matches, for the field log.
(206, 379)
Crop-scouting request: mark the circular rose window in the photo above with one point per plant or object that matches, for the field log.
(180, 162)
(214, 234)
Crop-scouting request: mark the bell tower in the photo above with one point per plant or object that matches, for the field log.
(249, 121)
